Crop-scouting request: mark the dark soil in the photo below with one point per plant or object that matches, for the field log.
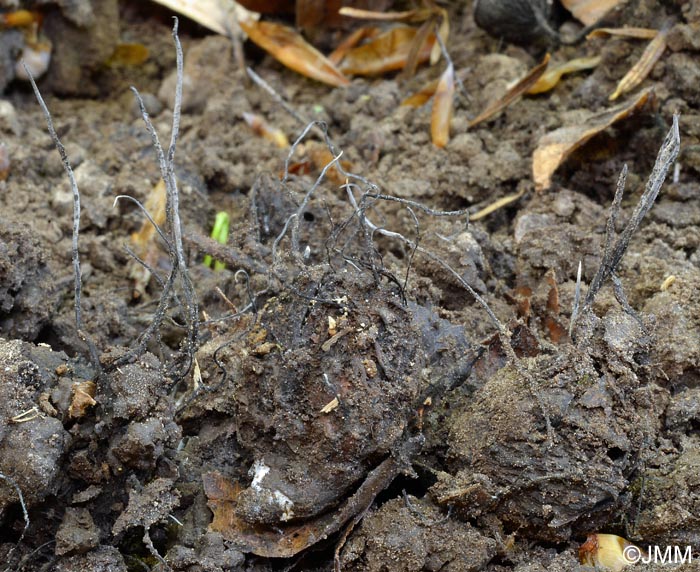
(361, 409)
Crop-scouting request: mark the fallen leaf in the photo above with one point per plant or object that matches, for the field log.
(444, 33)
(220, 16)
(337, 55)
(512, 94)
(387, 52)
(291, 49)
(589, 11)
(417, 15)
(443, 105)
(626, 32)
(499, 204)
(265, 130)
(143, 241)
(555, 147)
(83, 394)
(644, 65)
(422, 97)
(550, 78)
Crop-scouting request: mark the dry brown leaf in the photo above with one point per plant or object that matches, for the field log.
(291, 49)
(512, 94)
(83, 394)
(321, 156)
(639, 71)
(220, 16)
(443, 105)
(423, 96)
(337, 55)
(418, 15)
(499, 204)
(265, 130)
(143, 241)
(444, 33)
(550, 78)
(626, 32)
(555, 147)
(589, 11)
(388, 52)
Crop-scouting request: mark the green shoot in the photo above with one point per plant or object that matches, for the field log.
(220, 234)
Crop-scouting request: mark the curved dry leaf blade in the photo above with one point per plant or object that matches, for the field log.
(550, 78)
(626, 32)
(512, 94)
(418, 15)
(292, 50)
(639, 71)
(442, 108)
(589, 11)
(387, 52)
(555, 147)
(421, 97)
(444, 33)
(499, 204)
(337, 55)
(218, 15)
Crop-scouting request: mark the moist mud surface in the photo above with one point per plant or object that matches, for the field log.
(341, 399)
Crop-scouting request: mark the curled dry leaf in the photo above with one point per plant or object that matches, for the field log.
(364, 33)
(626, 32)
(442, 108)
(83, 394)
(219, 16)
(555, 147)
(387, 52)
(646, 63)
(265, 130)
(550, 78)
(513, 93)
(143, 241)
(292, 50)
(493, 207)
(422, 97)
(589, 11)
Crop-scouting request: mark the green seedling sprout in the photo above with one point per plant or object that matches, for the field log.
(220, 234)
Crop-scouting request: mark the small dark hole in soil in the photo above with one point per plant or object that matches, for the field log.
(615, 453)
(48, 336)
(309, 217)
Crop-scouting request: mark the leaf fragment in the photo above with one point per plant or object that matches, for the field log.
(219, 16)
(291, 49)
(500, 203)
(417, 15)
(512, 94)
(555, 147)
(550, 78)
(589, 11)
(421, 97)
(625, 32)
(443, 105)
(639, 71)
(265, 130)
(337, 55)
(387, 52)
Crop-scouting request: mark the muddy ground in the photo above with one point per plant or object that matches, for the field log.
(360, 409)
